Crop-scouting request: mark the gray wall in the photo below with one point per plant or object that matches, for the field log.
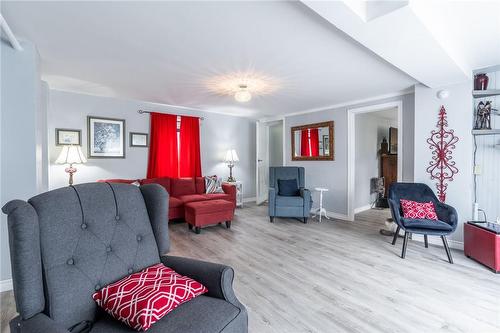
(276, 144)
(218, 133)
(459, 108)
(370, 130)
(22, 142)
(333, 174)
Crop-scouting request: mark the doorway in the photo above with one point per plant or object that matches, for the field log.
(368, 159)
(269, 153)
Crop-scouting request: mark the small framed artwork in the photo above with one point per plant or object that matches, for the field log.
(138, 139)
(66, 136)
(106, 137)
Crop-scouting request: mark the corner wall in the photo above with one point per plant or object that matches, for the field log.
(22, 147)
(218, 134)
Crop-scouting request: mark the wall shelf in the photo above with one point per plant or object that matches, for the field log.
(485, 93)
(486, 132)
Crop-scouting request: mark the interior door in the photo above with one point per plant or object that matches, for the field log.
(262, 168)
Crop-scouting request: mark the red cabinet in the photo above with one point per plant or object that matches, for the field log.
(482, 243)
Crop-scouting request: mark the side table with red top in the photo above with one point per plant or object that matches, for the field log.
(482, 243)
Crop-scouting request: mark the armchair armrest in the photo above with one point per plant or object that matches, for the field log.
(446, 213)
(36, 324)
(271, 198)
(306, 195)
(396, 216)
(231, 190)
(216, 277)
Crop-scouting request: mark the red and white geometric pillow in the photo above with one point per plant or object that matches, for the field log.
(418, 210)
(141, 299)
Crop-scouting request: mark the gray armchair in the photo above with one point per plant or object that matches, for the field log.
(288, 206)
(69, 242)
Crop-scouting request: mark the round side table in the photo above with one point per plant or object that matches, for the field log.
(321, 211)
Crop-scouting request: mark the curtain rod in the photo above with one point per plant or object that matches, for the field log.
(142, 112)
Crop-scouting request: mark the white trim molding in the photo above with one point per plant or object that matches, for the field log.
(5, 285)
(351, 148)
(250, 199)
(362, 209)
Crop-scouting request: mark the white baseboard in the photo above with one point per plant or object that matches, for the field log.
(436, 240)
(5, 285)
(362, 209)
(251, 199)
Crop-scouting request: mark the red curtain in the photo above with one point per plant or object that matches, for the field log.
(314, 140)
(309, 142)
(189, 154)
(304, 143)
(163, 150)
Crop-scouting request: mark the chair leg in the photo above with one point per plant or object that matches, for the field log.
(228, 224)
(448, 252)
(271, 219)
(426, 242)
(405, 244)
(396, 234)
(190, 226)
(197, 230)
(305, 219)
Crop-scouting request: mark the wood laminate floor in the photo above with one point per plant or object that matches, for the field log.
(339, 276)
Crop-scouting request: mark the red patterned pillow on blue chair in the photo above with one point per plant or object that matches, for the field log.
(418, 210)
(141, 299)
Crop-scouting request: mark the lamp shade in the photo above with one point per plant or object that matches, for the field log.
(231, 156)
(71, 155)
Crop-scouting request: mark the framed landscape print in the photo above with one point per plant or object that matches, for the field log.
(66, 136)
(106, 137)
(138, 139)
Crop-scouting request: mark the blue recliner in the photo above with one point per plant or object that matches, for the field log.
(288, 206)
(447, 215)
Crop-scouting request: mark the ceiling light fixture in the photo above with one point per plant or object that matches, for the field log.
(242, 86)
(243, 95)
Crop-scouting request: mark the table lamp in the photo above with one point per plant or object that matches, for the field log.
(71, 155)
(231, 157)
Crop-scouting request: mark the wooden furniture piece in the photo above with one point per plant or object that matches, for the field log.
(482, 243)
(388, 170)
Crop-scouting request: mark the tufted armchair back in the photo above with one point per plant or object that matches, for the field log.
(410, 191)
(276, 173)
(69, 242)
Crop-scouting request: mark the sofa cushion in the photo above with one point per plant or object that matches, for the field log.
(288, 187)
(285, 201)
(201, 314)
(200, 185)
(418, 210)
(182, 186)
(426, 224)
(192, 197)
(164, 181)
(174, 202)
(215, 196)
(141, 299)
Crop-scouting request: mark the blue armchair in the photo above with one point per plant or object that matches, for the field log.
(288, 206)
(447, 215)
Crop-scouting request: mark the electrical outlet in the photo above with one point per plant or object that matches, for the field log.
(477, 169)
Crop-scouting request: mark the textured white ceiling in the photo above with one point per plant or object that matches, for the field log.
(165, 52)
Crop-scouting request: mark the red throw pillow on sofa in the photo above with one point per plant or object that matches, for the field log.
(141, 299)
(418, 210)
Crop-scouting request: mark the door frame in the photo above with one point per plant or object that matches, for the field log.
(351, 146)
(259, 125)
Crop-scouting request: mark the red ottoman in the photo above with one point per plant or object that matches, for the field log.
(201, 213)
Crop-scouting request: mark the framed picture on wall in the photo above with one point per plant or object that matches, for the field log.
(138, 139)
(66, 136)
(106, 137)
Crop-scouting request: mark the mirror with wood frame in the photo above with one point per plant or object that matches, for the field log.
(313, 142)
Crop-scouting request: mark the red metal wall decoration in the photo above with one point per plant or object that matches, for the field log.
(442, 143)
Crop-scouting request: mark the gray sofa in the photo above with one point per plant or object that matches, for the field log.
(66, 243)
(288, 206)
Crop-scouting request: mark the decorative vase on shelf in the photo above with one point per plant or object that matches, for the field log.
(481, 81)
